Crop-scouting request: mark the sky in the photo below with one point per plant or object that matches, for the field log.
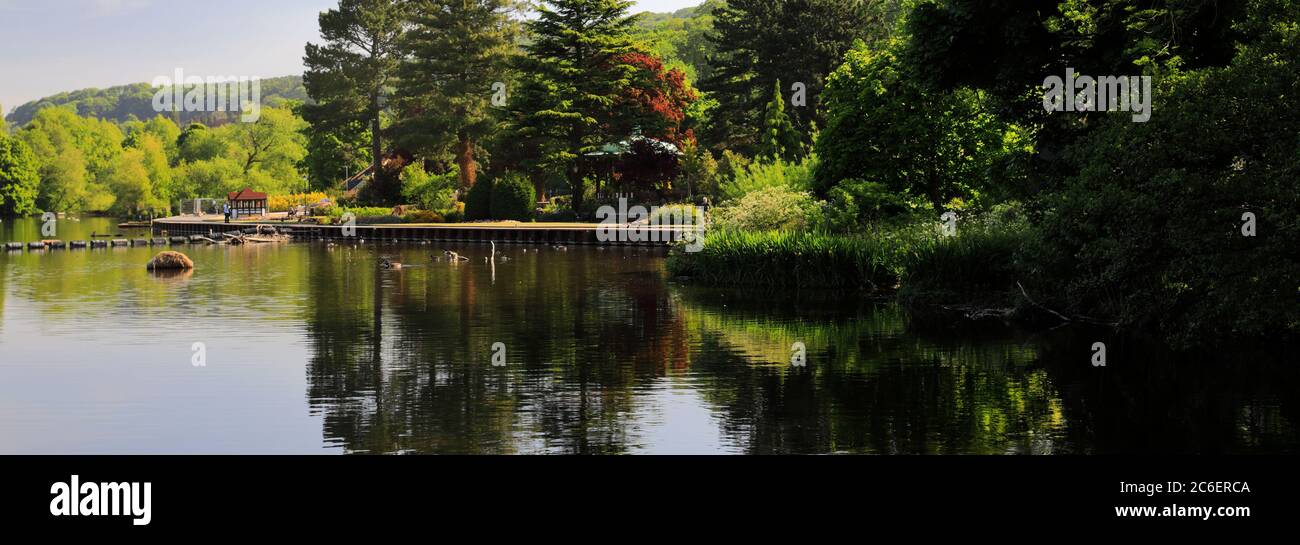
(52, 46)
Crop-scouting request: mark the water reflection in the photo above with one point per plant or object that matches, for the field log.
(604, 356)
(602, 349)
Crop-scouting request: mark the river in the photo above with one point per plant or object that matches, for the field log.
(312, 348)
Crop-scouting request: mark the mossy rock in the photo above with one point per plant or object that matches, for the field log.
(170, 261)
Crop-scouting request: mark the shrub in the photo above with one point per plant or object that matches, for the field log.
(513, 198)
(762, 175)
(364, 215)
(423, 216)
(674, 214)
(771, 208)
(558, 211)
(454, 213)
(429, 191)
(478, 202)
(282, 203)
(856, 204)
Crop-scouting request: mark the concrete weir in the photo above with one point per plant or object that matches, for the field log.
(570, 234)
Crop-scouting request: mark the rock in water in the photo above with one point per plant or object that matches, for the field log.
(170, 261)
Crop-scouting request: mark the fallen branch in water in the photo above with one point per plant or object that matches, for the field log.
(1064, 318)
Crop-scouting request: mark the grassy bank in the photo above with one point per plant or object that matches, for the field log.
(918, 261)
(790, 259)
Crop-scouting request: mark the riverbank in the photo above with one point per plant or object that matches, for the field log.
(987, 271)
(578, 234)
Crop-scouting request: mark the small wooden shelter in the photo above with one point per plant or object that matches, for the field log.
(247, 203)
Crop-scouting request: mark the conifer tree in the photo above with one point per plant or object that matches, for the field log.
(457, 54)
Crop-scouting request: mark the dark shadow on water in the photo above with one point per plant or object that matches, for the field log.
(606, 356)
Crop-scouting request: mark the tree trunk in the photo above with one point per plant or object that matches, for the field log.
(576, 181)
(578, 185)
(465, 161)
(376, 148)
(539, 185)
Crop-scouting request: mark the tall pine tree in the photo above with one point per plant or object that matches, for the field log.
(457, 52)
(798, 41)
(350, 76)
(572, 75)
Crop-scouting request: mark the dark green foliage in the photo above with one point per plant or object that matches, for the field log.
(513, 198)
(478, 202)
(931, 146)
(1006, 47)
(573, 70)
(455, 52)
(335, 155)
(855, 206)
(349, 75)
(1149, 231)
(760, 41)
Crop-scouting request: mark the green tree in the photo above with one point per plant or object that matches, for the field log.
(64, 182)
(759, 41)
(457, 51)
(681, 38)
(199, 143)
(1005, 49)
(572, 77)
(131, 186)
(161, 128)
(53, 130)
(780, 140)
(208, 179)
(699, 170)
(334, 155)
(350, 76)
(73, 154)
(19, 180)
(883, 127)
(1153, 229)
(155, 162)
(274, 144)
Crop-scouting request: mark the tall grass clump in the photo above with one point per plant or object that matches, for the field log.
(790, 259)
(980, 262)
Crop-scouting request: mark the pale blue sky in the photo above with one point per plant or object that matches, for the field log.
(50, 46)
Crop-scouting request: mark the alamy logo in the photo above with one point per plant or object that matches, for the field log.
(102, 500)
(193, 94)
(638, 224)
(1079, 93)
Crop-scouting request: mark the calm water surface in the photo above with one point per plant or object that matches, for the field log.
(313, 349)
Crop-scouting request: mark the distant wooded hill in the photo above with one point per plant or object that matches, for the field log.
(123, 102)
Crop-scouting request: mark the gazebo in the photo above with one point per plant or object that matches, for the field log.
(247, 203)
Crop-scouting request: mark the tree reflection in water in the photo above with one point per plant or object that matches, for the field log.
(402, 363)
